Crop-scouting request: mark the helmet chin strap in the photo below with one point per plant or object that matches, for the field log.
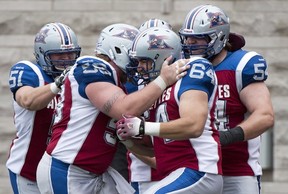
(203, 56)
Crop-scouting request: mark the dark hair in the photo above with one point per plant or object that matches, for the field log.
(104, 57)
(229, 46)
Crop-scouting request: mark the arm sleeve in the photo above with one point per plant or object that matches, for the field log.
(89, 70)
(251, 68)
(24, 74)
(200, 76)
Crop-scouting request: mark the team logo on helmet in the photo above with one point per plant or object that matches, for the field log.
(216, 19)
(127, 34)
(40, 37)
(158, 42)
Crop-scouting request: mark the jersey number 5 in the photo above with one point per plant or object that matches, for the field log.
(15, 78)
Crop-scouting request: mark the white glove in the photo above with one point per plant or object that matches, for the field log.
(130, 126)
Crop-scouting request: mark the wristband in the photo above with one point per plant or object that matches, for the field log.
(152, 128)
(160, 83)
(142, 127)
(233, 135)
(54, 89)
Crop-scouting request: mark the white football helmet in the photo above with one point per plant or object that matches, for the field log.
(205, 21)
(155, 45)
(55, 38)
(115, 41)
(154, 23)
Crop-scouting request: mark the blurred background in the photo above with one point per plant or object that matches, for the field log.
(263, 23)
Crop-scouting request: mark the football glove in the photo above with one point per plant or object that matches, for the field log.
(61, 78)
(130, 126)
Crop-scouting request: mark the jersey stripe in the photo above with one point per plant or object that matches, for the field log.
(240, 68)
(64, 34)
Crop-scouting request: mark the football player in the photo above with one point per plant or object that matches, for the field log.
(84, 141)
(35, 87)
(182, 120)
(120, 162)
(141, 174)
(244, 105)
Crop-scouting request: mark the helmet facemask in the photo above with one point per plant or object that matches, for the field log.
(202, 50)
(153, 46)
(208, 22)
(56, 66)
(141, 74)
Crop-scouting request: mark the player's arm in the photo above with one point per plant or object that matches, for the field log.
(140, 146)
(111, 100)
(193, 109)
(256, 98)
(37, 98)
(34, 98)
(149, 157)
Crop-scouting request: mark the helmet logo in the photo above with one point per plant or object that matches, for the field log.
(158, 42)
(216, 19)
(40, 37)
(127, 34)
(67, 46)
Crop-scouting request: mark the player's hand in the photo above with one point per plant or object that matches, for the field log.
(130, 126)
(127, 142)
(61, 78)
(175, 71)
